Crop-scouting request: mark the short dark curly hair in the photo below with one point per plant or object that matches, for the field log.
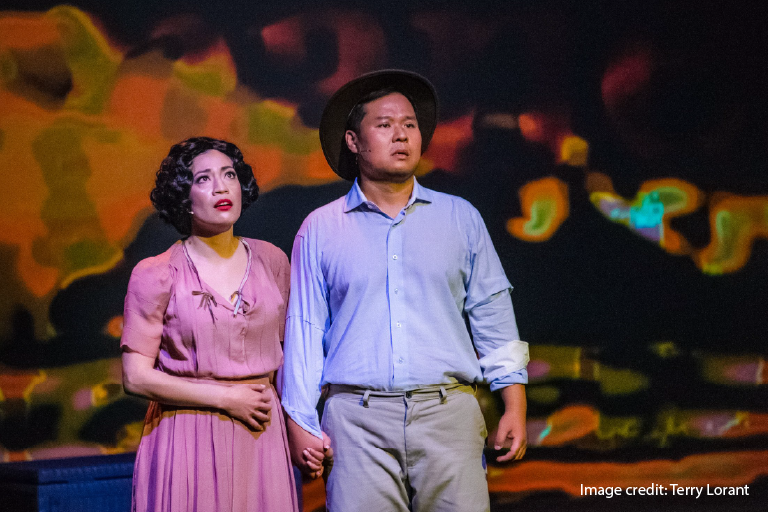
(174, 180)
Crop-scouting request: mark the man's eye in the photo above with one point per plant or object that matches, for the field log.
(384, 125)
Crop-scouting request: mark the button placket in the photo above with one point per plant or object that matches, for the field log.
(396, 305)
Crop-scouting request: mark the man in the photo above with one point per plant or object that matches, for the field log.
(383, 282)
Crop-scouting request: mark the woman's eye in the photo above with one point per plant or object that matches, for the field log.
(201, 179)
(231, 174)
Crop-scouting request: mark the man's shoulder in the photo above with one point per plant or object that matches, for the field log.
(322, 215)
(453, 202)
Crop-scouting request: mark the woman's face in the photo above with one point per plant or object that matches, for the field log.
(215, 194)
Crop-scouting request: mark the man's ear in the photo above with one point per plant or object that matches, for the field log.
(351, 139)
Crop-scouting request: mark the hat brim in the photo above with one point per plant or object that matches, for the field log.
(334, 121)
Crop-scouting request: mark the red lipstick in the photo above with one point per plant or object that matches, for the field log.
(223, 205)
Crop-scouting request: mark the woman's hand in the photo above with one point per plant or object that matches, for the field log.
(249, 403)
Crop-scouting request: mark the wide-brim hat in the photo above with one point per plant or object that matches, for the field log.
(334, 121)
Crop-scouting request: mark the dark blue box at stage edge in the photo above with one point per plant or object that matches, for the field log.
(79, 484)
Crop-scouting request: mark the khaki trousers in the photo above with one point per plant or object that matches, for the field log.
(417, 451)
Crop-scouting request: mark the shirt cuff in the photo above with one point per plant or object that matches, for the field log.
(505, 360)
(308, 422)
(518, 377)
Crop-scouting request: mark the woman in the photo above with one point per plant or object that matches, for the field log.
(202, 335)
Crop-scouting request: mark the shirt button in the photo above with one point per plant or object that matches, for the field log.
(395, 290)
(394, 256)
(398, 324)
(400, 360)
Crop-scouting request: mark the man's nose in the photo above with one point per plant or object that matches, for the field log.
(400, 133)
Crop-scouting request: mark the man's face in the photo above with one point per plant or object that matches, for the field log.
(388, 145)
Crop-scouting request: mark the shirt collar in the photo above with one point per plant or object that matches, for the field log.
(355, 196)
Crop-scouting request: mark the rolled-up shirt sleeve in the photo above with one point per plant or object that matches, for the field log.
(306, 323)
(503, 356)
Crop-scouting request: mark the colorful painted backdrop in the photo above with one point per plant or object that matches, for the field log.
(617, 151)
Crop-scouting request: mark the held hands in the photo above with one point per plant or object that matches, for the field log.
(249, 403)
(308, 452)
(316, 461)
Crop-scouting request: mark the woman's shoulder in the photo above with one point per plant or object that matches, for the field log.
(159, 268)
(267, 251)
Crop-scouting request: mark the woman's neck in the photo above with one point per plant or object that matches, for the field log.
(221, 245)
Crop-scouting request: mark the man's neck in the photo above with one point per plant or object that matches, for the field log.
(389, 196)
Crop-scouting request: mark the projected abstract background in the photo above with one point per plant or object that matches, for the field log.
(616, 150)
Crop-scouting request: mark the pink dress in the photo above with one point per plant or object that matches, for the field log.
(201, 459)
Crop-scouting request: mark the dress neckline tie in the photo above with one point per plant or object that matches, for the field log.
(207, 300)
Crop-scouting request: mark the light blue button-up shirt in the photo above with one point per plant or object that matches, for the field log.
(383, 303)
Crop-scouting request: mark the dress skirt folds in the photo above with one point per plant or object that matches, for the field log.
(193, 459)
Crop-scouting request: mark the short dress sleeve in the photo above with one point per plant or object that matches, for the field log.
(149, 291)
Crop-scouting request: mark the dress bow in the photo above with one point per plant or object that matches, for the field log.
(206, 300)
(240, 302)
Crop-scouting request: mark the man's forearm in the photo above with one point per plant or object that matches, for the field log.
(511, 432)
(514, 399)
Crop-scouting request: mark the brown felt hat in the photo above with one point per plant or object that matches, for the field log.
(334, 121)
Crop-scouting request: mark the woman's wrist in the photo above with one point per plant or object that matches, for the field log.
(220, 397)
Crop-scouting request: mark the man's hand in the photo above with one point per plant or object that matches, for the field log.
(511, 432)
(308, 452)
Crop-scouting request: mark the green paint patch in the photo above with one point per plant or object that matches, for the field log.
(621, 382)
(91, 61)
(272, 124)
(75, 239)
(543, 394)
(665, 349)
(542, 215)
(612, 428)
(9, 69)
(87, 253)
(207, 79)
